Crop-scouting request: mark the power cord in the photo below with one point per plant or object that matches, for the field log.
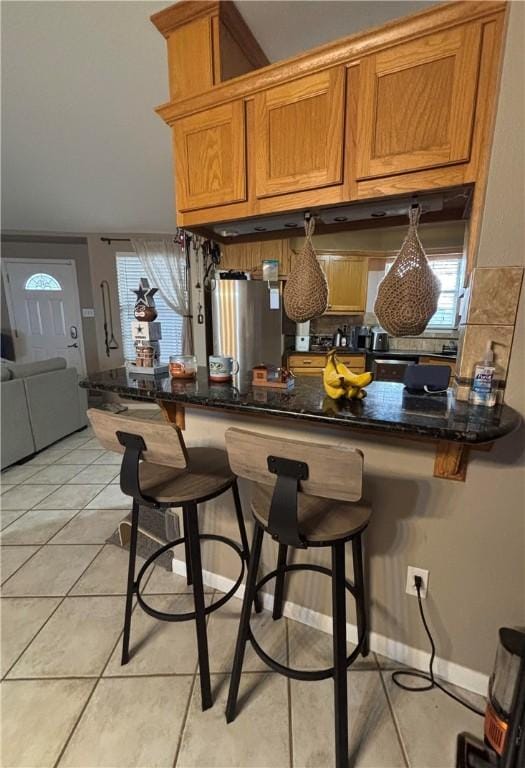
(432, 682)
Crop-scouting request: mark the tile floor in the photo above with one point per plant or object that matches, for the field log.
(68, 702)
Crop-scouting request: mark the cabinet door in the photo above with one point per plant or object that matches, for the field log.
(210, 158)
(299, 134)
(347, 283)
(356, 363)
(416, 103)
(250, 256)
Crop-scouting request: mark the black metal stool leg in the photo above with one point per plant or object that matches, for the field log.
(244, 537)
(189, 578)
(198, 599)
(131, 581)
(339, 640)
(359, 581)
(242, 635)
(279, 582)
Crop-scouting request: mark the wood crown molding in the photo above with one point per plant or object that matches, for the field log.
(345, 51)
(182, 13)
(187, 11)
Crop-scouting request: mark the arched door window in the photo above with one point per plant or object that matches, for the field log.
(42, 282)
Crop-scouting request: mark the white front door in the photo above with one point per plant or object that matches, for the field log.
(44, 310)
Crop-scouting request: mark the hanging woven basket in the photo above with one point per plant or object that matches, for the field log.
(306, 291)
(407, 297)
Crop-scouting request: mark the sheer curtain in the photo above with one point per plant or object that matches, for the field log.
(161, 257)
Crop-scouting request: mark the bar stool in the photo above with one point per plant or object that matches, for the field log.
(159, 471)
(304, 495)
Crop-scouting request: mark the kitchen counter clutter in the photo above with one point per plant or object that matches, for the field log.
(388, 409)
(394, 354)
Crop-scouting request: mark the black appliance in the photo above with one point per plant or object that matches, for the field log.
(363, 337)
(390, 369)
(427, 378)
(233, 274)
(504, 745)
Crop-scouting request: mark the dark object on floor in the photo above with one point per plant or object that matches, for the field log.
(157, 527)
(505, 715)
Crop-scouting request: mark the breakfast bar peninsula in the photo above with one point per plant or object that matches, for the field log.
(388, 412)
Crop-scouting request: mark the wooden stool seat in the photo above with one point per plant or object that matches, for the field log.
(318, 519)
(207, 474)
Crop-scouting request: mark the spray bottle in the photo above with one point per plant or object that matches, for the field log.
(485, 380)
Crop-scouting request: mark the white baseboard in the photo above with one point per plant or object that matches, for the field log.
(470, 679)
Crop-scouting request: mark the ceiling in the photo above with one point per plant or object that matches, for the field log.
(82, 150)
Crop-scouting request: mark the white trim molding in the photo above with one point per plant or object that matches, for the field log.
(470, 679)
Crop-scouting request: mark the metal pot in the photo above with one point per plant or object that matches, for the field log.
(336, 339)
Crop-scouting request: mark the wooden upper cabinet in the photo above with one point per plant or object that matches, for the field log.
(347, 284)
(393, 111)
(183, 42)
(347, 277)
(299, 134)
(210, 157)
(249, 257)
(208, 42)
(417, 102)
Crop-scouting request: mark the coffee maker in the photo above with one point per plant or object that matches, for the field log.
(363, 337)
(504, 743)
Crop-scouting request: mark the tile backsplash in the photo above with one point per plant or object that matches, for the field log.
(427, 342)
(330, 323)
(492, 296)
(430, 341)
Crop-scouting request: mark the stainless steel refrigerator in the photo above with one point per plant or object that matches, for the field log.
(247, 323)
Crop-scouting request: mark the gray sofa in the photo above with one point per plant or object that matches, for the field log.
(41, 403)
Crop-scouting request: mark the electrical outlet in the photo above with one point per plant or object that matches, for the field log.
(411, 587)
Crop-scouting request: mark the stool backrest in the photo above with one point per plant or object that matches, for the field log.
(164, 442)
(334, 472)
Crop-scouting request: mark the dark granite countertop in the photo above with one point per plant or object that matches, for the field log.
(388, 409)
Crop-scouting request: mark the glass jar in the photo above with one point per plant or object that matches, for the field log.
(183, 366)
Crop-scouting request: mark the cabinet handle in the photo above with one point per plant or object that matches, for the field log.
(307, 362)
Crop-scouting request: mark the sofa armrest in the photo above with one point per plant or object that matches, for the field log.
(54, 402)
(25, 370)
(17, 436)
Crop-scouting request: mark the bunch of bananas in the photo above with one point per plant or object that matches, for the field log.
(339, 381)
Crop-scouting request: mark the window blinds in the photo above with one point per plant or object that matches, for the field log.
(129, 272)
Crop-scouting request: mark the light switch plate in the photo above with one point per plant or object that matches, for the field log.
(88, 312)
